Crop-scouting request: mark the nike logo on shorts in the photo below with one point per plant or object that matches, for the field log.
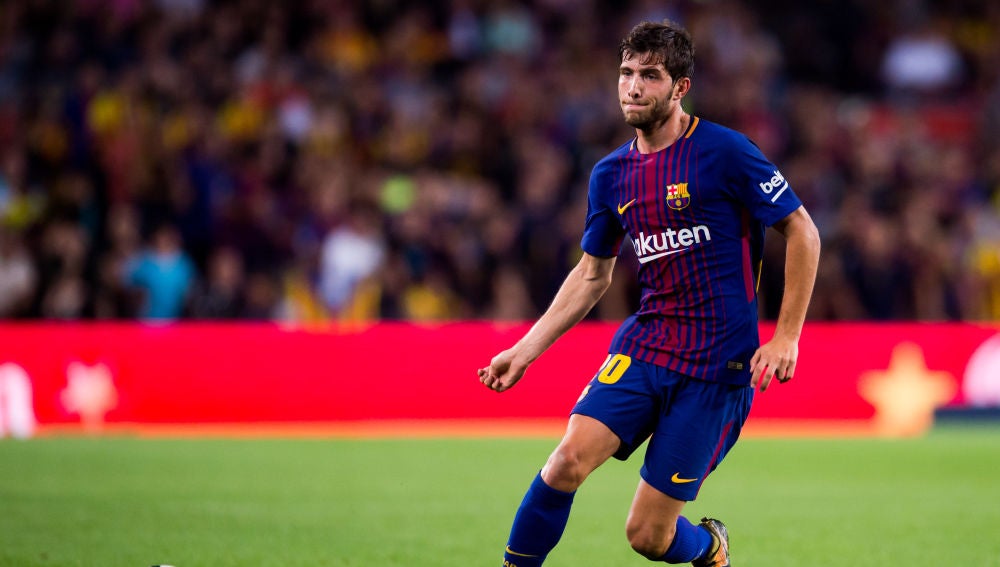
(676, 479)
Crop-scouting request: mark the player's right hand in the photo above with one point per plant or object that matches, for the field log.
(502, 373)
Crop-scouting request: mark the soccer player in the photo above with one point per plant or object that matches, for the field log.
(694, 199)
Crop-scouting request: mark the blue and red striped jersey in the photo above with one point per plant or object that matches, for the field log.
(695, 214)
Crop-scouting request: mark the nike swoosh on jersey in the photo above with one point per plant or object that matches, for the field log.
(621, 208)
(676, 479)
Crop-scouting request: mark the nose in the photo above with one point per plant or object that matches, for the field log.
(633, 87)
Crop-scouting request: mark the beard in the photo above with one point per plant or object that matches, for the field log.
(653, 115)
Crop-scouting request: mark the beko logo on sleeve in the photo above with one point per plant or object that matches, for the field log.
(777, 181)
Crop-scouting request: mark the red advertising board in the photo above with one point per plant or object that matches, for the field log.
(189, 373)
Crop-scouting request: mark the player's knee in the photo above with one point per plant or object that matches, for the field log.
(648, 540)
(565, 469)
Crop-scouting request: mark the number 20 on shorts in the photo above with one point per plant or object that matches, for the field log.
(613, 368)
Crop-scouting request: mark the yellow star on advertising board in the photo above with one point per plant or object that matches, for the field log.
(906, 394)
(90, 391)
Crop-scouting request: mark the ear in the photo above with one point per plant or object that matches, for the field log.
(681, 88)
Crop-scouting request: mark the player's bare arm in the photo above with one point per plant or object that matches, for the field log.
(777, 357)
(583, 288)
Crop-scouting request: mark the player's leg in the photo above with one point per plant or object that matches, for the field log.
(586, 445)
(657, 530)
(700, 423)
(544, 511)
(615, 414)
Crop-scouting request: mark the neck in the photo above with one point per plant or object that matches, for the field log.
(664, 134)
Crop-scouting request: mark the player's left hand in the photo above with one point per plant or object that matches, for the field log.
(776, 359)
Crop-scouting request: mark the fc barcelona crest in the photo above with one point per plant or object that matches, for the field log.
(678, 196)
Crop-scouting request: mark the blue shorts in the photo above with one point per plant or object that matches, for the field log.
(691, 423)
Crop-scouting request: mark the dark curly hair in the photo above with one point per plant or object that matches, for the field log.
(665, 42)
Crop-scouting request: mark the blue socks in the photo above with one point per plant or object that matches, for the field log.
(690, 542)
(538, 524)
(542, 517)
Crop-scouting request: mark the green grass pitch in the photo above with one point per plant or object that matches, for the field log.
(382, 503)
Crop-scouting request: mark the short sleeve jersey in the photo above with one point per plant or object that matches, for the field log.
(695, 213)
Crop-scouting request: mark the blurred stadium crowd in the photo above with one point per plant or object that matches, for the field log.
(328, 160)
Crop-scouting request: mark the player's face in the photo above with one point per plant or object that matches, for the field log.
(646, 92)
